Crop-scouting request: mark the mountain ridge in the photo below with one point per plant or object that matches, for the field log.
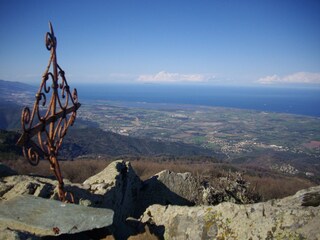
(108, 144)
(113, 144)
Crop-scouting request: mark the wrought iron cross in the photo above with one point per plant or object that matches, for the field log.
(46, 125)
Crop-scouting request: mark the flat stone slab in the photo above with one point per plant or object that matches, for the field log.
(44, 217)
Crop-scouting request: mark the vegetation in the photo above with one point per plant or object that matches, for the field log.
(8, 149)
(209, 142)
(76, 144)
(9, 116)
(267, 184)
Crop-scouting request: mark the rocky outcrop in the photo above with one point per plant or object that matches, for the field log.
(179, 206)
(167, 188)
(232, 188)
(170, 188)
(44, 217)
(13, 186)
(17, 185)
(294, 217)
(182, 184)
(119, 187)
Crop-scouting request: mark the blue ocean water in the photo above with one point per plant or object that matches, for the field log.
(302, 101)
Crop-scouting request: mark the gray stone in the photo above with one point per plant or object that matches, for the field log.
(167, 188)
(119, 186)
(182, 184)
(13, 186)
(231, 188)
(20, 185)
(173, 188)
(4, 188)
(288, 218)
(44, 217)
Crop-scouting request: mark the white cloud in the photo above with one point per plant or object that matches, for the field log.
(269, 79)
(303, 77)
(299, 77)
(166, 77)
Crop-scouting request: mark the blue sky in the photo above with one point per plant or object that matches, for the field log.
(275, 42)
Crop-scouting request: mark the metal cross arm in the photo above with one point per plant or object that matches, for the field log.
(45, 126)
(27, 135)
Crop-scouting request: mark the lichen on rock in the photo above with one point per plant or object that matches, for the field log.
(178, 206)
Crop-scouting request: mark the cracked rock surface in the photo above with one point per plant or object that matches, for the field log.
(167, 206)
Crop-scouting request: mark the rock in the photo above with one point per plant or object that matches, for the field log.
(167, 188)
(311, 199)
(13, 186)
(119, 186)
(287, 218)
(117, 174)
(44, 217)
(172, 188)
(182, 184)
(232, 188)
(164, 205)
(6, 171)
(4, 188)
(116, 187)
(128, 196)
(20, 185)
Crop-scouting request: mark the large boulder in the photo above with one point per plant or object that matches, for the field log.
(45, 217)
(170, 188)
(13, 186)
(182, 184)
(294, 217)
(119, 186)
(164, 205)
(167, 188)
(230, 188)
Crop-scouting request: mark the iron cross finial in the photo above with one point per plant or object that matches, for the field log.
(46, 125)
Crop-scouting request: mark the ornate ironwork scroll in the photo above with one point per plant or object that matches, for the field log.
(54, 111)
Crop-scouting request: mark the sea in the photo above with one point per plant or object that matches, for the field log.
(293, 100)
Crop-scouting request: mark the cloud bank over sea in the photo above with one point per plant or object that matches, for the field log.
(299, 77)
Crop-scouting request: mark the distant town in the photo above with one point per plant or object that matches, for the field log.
(284, 142)
(226, 130)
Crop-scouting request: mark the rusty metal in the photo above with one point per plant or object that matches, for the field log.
(46, 125)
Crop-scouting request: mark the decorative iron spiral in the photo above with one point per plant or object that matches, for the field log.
(50, 40)
(31, 155)
(60, 95)
(25, 118)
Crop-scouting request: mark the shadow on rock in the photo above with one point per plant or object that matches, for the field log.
(123, 192)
